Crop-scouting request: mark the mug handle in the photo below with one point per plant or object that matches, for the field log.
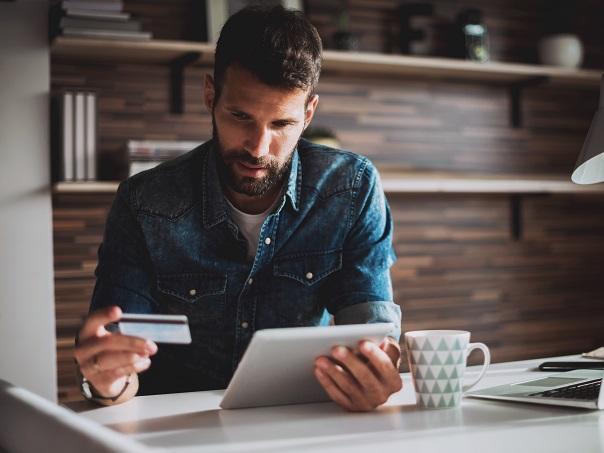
(487, 360)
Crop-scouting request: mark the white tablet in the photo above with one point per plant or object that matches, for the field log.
(278, 365)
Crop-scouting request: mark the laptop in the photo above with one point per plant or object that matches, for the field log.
(578, 388)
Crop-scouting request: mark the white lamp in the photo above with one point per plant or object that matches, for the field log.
(590, 165)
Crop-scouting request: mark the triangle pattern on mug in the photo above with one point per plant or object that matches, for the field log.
(438, 365)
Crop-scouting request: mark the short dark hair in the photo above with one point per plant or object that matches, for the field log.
(279, 46)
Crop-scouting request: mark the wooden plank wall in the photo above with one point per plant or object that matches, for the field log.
(78, 223)
(427, 125)
(458, 266)
(459, 269)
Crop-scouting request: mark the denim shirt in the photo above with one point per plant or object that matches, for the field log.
(170, 247)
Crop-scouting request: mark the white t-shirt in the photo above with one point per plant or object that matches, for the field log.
(250, 225)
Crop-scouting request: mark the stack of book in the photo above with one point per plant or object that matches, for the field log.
(75, 140)
(95, 19)
(146, 154)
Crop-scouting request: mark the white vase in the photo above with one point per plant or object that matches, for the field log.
(564, 50)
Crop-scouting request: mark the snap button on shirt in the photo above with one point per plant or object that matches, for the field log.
(267, 241)
(192, 292)
(309, 275)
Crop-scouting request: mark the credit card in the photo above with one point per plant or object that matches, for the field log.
(158, 328)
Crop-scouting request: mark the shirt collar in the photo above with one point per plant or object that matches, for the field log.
(294, 182)
(214, 205)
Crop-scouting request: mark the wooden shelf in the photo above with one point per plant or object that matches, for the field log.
(86, 187)
(417, 183)
(160, 51)
(460, 183)
(507, 73)
(109, 50)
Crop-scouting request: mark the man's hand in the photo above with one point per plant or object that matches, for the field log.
(361, 380)
(107, 359)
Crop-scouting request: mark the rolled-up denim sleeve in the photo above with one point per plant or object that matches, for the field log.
(371, 312)
(124, 274)
(362, 291)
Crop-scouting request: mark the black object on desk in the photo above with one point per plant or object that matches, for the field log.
(569, 366)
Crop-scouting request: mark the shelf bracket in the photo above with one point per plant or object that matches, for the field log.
(516, 98)
(177, 70)
(516, 217)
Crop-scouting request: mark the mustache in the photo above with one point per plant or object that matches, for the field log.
(244, 156)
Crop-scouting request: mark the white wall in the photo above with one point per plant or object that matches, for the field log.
(27, 326)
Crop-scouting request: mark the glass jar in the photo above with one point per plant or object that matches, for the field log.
(475, 35)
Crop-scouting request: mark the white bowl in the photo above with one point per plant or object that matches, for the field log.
(564, 50)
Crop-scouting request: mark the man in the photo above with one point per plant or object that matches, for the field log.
(254, 229)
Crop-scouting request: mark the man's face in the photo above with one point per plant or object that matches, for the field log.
(256, 128)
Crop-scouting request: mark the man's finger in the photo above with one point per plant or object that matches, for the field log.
(113, 360)
(360, 371)
(93, 370)
(347, 384)
(377, 357)
(109, 383)
(393, 349)
(113, 343)
(135, 368)
(383, 365)
(332, 390)
(97, 319)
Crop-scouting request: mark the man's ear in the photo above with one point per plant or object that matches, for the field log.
(209, 92)
(311, 107)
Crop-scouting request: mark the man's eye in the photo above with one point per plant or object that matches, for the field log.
(281, 124)
(239, 115)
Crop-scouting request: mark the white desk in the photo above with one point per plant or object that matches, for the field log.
(194, 422)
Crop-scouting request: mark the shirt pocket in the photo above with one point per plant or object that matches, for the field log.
(308, 268)
(197, 295)
(296, 295)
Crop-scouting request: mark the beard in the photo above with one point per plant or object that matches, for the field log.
(253, 187)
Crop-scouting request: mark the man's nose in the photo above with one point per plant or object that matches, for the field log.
(258, 142)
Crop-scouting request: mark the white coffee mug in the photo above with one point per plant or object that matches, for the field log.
(437, 361)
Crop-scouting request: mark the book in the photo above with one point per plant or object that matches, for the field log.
(163, 144)
(67, 173)
(80, 134)
(91, 136)
(98, 5)
(108, 34)
(103, 24)
(146, 154)
(158, 150)
(139, 166)
(98, 15)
